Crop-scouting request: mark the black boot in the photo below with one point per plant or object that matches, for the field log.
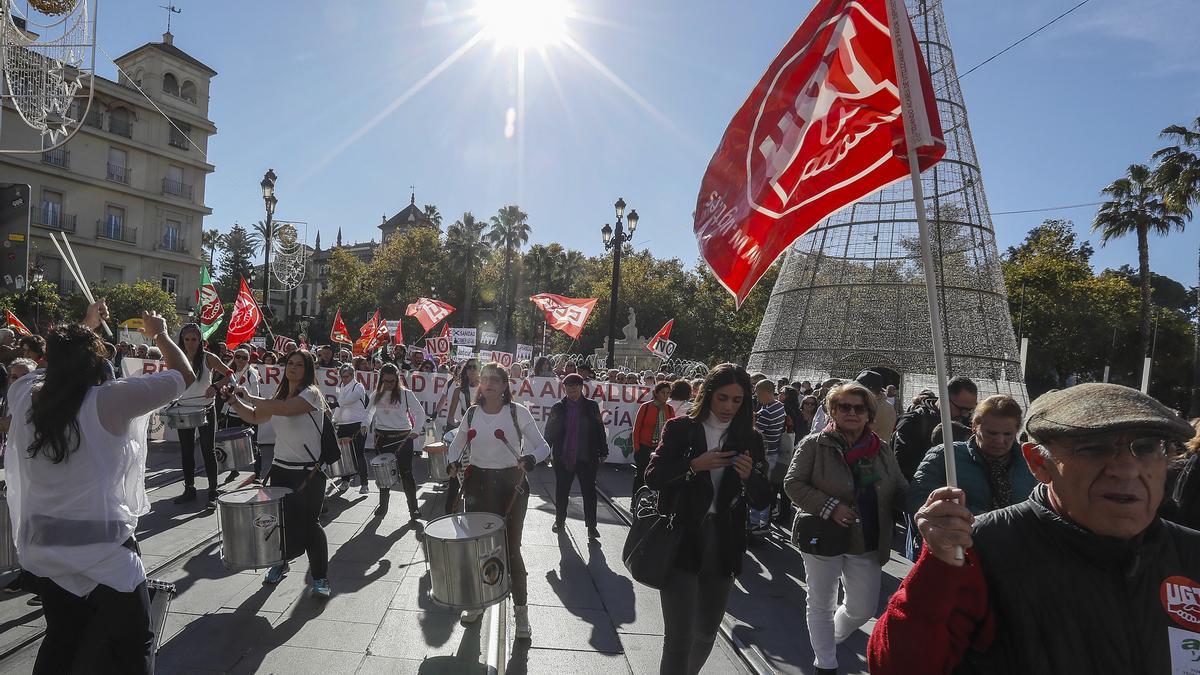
(189, 495)
(384, 495)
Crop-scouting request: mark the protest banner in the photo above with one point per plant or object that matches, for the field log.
(524, 352)
(462, 336)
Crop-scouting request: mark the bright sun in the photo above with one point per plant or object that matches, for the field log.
(523, 23)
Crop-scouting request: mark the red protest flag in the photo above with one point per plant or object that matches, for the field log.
(565, 314)
(245, 318)
(429, 312)
(820, 130)
(445, 330)
(339, 333)
(660, 345)
(15, 324)
(398, 333)
(366, 340)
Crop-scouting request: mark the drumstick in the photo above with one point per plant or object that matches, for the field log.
(73, 267)
(520, 467)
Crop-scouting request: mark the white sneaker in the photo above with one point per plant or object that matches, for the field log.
(470, 616)
(522, 630)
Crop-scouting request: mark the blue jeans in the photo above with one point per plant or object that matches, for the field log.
(763, 516)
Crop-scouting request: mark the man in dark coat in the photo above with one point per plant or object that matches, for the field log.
(1082, 577)
(579, 446)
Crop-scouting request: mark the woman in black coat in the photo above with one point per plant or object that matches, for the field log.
(709, 465)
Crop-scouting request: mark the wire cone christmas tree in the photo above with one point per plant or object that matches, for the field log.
(851, 293)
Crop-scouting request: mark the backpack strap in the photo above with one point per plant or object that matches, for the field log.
(466, 456)
(512, 409)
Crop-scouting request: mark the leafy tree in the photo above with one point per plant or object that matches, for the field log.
(41, 305)
(509, 232)
(128, 301)
(1135, 207)
(466, 250)
(410, 265)
(237, 253)
(348, 289)
(211, 241)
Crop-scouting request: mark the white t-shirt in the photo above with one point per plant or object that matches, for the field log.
(294, 432)
(197, 393)
(405, 414)
(350, 408)
(70, 519)
(489, 452)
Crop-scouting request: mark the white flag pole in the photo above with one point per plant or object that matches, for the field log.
(918, 134)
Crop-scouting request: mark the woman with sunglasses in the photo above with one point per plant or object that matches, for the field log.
(708, 465)
(295, 411)
(498, 443)
(202, 392)
(397, 417)
(244, 375)
(845, 475)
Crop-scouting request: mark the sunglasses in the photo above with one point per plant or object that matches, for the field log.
(856, 408)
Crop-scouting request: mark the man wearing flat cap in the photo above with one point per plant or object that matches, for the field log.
(579, 446)
(1082, 577)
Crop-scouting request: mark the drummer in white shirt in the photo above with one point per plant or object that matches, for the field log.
(295, 412)
(494, 476)
(76, 481)
(349, 415)
(397, 417)
(244, 375)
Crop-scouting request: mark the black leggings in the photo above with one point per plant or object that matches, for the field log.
(121, 619)
(303, 517)
(693, 605)
(493, 490)
(350, 430)
(187, 446)
(586, 473)
(641, 459)
(388, 441)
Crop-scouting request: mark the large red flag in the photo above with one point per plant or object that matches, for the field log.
(429, 312)
(15, 324)
(820, 130)
(565, 314)
(339, 333)
(244, 319)
(660, 345)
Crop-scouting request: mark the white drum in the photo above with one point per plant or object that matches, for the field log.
(384, 471)
(251, 523)
(183, 416)
(439, 469)
(466, 555)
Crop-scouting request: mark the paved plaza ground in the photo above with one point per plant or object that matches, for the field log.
(587, 615)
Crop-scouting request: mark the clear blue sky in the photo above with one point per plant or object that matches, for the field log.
(1054, 120)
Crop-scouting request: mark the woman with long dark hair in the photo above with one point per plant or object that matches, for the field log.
(397, 417)
(76, 478)
(295, 412)
(506, 444)
(708, 465)
(200, 393)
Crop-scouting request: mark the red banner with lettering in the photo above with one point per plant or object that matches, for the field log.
(245, 318)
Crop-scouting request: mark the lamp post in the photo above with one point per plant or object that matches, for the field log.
(269, 201)
(616, 239)
(36, 274)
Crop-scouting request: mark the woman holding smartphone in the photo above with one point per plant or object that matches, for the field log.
(708, 465)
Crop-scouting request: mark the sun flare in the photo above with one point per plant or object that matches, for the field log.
(523, 23)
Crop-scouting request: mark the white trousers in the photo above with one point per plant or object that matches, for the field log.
(829, 623)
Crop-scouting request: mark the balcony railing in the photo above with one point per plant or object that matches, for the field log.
(115, 230)
(57, 157)
(119, 173)
(175, 244)
(120, 127)
(174, 187)
(54, 219)
(178, 139)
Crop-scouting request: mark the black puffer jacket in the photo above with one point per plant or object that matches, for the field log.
(1069, 601)
(1181, 502)
(912, 438)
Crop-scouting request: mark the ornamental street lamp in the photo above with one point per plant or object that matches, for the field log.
(36, 274)
(616, 241)
(269, 201)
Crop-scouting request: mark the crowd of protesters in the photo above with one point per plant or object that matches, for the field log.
(1073, 519)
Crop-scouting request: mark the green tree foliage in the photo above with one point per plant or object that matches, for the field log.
(237, 261)
(431, 212)
(509, 232)
(348, 290)
(466, 251)
(408, 266)
(42, 305)
(211, 241)
(128, 301)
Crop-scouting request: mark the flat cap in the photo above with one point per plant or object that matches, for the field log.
(1097, 408)
(870, 379)
(572, 379)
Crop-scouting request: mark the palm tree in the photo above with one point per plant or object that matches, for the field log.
(1178, 178)
(434, 216)
(211, 240)
(540, 263)
(1135, 206)
(466, 249)
(510, 231)
(569, 266)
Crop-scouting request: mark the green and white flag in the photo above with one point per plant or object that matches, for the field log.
(208, 305)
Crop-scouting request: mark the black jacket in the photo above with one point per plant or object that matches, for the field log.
(589, 417)
(1181, 500)
(1069, 601)
(912, 438)
(668, 472)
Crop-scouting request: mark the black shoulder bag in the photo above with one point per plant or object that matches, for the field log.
(653, 540)
(330, 452)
